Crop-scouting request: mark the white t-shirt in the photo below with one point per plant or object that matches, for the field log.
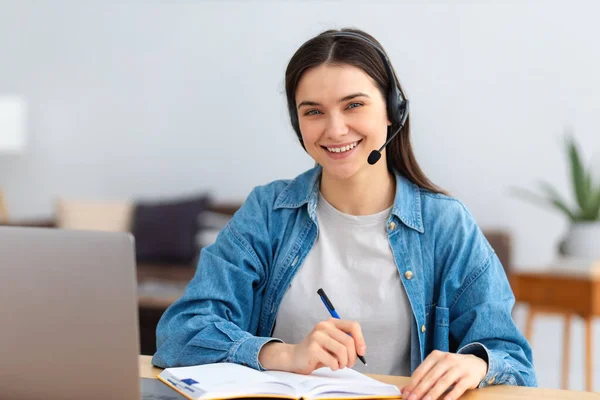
(353, 262)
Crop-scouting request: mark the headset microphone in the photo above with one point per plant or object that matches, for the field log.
(376, 154)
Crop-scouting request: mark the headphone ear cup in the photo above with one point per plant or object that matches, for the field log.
(395, 106)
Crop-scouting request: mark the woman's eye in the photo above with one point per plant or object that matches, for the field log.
(312, 112)
(354, 105)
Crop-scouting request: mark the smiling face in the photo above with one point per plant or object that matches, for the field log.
(343, 117)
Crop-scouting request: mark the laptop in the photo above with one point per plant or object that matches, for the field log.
(68, 315)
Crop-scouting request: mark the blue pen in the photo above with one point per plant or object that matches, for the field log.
(334, 314)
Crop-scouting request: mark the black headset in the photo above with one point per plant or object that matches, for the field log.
(397, 104)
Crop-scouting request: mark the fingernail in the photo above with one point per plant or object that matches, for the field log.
(406, 394)
(412, 397)
(428, 397)
(362, 350)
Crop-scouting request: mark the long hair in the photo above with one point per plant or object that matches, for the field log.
(327, 49)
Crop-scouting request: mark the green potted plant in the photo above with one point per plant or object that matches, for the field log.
(582, 241)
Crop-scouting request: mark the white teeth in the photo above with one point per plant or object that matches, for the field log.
(342, 149)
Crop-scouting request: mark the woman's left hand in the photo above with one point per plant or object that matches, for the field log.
(441, 370)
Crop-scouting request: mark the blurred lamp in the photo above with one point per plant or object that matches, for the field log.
(12, 134)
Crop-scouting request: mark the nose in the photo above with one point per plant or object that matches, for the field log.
(336, 126)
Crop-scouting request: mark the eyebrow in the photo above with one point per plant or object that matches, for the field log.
(345, 98)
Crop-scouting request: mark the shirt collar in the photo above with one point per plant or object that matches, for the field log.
(304, 189)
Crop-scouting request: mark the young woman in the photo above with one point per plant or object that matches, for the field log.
(406, 265)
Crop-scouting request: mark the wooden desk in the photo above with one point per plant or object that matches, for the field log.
(488, 393)
(569, 294)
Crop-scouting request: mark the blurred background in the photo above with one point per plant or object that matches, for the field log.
(128, 109)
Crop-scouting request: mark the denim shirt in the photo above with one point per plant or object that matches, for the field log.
(458, 291)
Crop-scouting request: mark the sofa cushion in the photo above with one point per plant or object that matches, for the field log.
(112, 216)
(165, 231)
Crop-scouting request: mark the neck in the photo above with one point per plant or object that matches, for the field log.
(367, 192)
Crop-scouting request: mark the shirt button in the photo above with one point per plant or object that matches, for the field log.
(423, 328)
(491, 380)
(392, 226)
(408, 275)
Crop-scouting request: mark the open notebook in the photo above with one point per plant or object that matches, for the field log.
(229, 381)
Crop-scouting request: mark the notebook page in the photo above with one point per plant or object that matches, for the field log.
(346, 382)
(227, 380)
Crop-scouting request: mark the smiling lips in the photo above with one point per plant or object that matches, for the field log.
(342, 149)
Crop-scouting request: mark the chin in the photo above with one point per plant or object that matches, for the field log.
(341, 172)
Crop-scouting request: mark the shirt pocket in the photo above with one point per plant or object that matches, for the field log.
(441, 330)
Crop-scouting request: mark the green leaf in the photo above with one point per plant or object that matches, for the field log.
(581, 180)
(593, 209)
(533, 197)
(556, 200)
(589, 212)
(587, 188)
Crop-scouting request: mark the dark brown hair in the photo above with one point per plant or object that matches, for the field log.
(327, 49)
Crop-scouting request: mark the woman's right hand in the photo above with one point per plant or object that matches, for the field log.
(327, 345)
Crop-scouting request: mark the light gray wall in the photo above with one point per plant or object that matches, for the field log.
(147, 99)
